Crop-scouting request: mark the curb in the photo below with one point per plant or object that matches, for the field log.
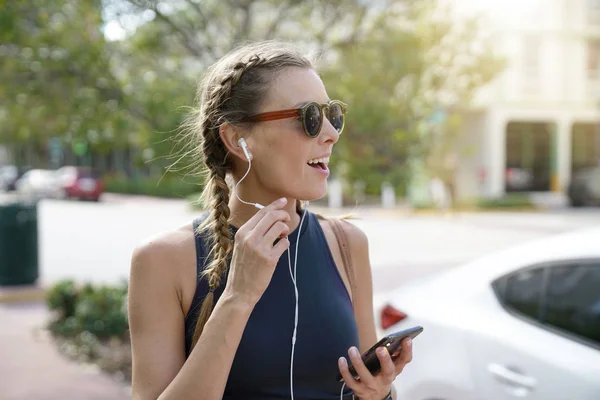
(21, 294)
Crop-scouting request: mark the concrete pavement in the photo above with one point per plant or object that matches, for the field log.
(93, 241)
(32, 368)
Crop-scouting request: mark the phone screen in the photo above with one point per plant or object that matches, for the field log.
(392, 342)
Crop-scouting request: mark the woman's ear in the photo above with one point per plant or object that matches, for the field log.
(230, 138)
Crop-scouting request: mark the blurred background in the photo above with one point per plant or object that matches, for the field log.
(471, 155)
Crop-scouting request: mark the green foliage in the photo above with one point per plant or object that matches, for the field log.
(62, 298)
(397, 78)
(55, 73)
(99, 310)
(508, 201)
(395, 63)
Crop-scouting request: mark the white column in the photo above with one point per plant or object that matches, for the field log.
(494, 158)
(335, 194)
(563, 129)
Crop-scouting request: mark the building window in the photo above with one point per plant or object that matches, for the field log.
(593, 12)
(593, 59)
(593, 68)
(531, 63)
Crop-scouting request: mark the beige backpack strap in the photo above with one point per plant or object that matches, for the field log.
(342, 240)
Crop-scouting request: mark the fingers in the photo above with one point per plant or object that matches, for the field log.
(256, 218)
(267, 222)
(405, 356)
(346, 375)
(388, 369)
(278, 230)
(359, 366)
(279, 248)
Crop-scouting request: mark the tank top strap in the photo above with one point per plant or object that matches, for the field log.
(201, 252)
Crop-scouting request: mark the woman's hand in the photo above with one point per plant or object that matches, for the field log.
(254, 256)
(369, 387)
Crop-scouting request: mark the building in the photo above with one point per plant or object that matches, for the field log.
(539, 121)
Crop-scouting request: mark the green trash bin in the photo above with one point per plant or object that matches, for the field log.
(18, 242)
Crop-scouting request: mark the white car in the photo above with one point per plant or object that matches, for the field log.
(523, 323)
(39, 184)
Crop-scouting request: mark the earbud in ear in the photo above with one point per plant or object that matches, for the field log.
(244, 146)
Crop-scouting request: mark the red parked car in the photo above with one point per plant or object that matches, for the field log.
(80, 183)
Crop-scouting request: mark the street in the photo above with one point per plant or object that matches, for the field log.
(94, 241)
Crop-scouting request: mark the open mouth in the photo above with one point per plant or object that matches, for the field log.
(318, 165)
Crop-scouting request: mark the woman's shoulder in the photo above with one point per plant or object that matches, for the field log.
(165, 257)
(356, 236)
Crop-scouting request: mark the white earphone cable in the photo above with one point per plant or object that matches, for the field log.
(293, 276)
(259, 206)
(342, 391)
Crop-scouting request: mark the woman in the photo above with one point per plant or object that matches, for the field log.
(213, 305)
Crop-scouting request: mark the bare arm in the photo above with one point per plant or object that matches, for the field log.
(156, 323)
(156, 315)
(363, 298)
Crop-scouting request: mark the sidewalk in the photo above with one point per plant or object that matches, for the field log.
(32, 368)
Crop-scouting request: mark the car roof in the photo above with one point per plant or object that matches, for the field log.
(574, 245)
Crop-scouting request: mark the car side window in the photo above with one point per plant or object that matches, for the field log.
(522, 291)
(572, 300)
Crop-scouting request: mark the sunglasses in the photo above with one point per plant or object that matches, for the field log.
(311, 115)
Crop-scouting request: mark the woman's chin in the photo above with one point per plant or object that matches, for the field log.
(315, 193)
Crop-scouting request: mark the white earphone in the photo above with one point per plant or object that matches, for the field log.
(244, 146)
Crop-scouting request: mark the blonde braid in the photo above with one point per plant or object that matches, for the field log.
(217, 191)
(221, 246)
(231, 90)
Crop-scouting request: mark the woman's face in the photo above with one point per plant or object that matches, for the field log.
(281, 150)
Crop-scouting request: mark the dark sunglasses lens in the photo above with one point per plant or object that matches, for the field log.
(312, 120)
(336, 116)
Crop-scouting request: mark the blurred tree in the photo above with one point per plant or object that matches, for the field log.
(164, 56)
(56, 76)
(391, 60)
(405, 80)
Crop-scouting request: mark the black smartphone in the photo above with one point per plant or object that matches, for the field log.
(392, 342)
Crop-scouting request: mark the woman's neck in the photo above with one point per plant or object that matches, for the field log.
(241, 212)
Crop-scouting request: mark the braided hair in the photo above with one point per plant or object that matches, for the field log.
(233, 88)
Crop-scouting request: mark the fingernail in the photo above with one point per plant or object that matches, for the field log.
(381, 351)
(409, 342)
(282, 200)
(354, 351)
(342, 361)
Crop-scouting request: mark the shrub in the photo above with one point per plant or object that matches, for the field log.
(90, 325)
(99, 310)
(508, 201)
(62, 298)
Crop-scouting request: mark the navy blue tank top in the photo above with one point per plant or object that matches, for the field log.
(326, 324)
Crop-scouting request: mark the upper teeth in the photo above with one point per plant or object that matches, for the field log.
(324, 160)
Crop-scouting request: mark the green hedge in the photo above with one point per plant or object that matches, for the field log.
(508, 201)
(511, 201)
(97, 309)
(157, 187)
(89, 325)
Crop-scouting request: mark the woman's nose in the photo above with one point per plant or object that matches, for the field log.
(328, 132)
